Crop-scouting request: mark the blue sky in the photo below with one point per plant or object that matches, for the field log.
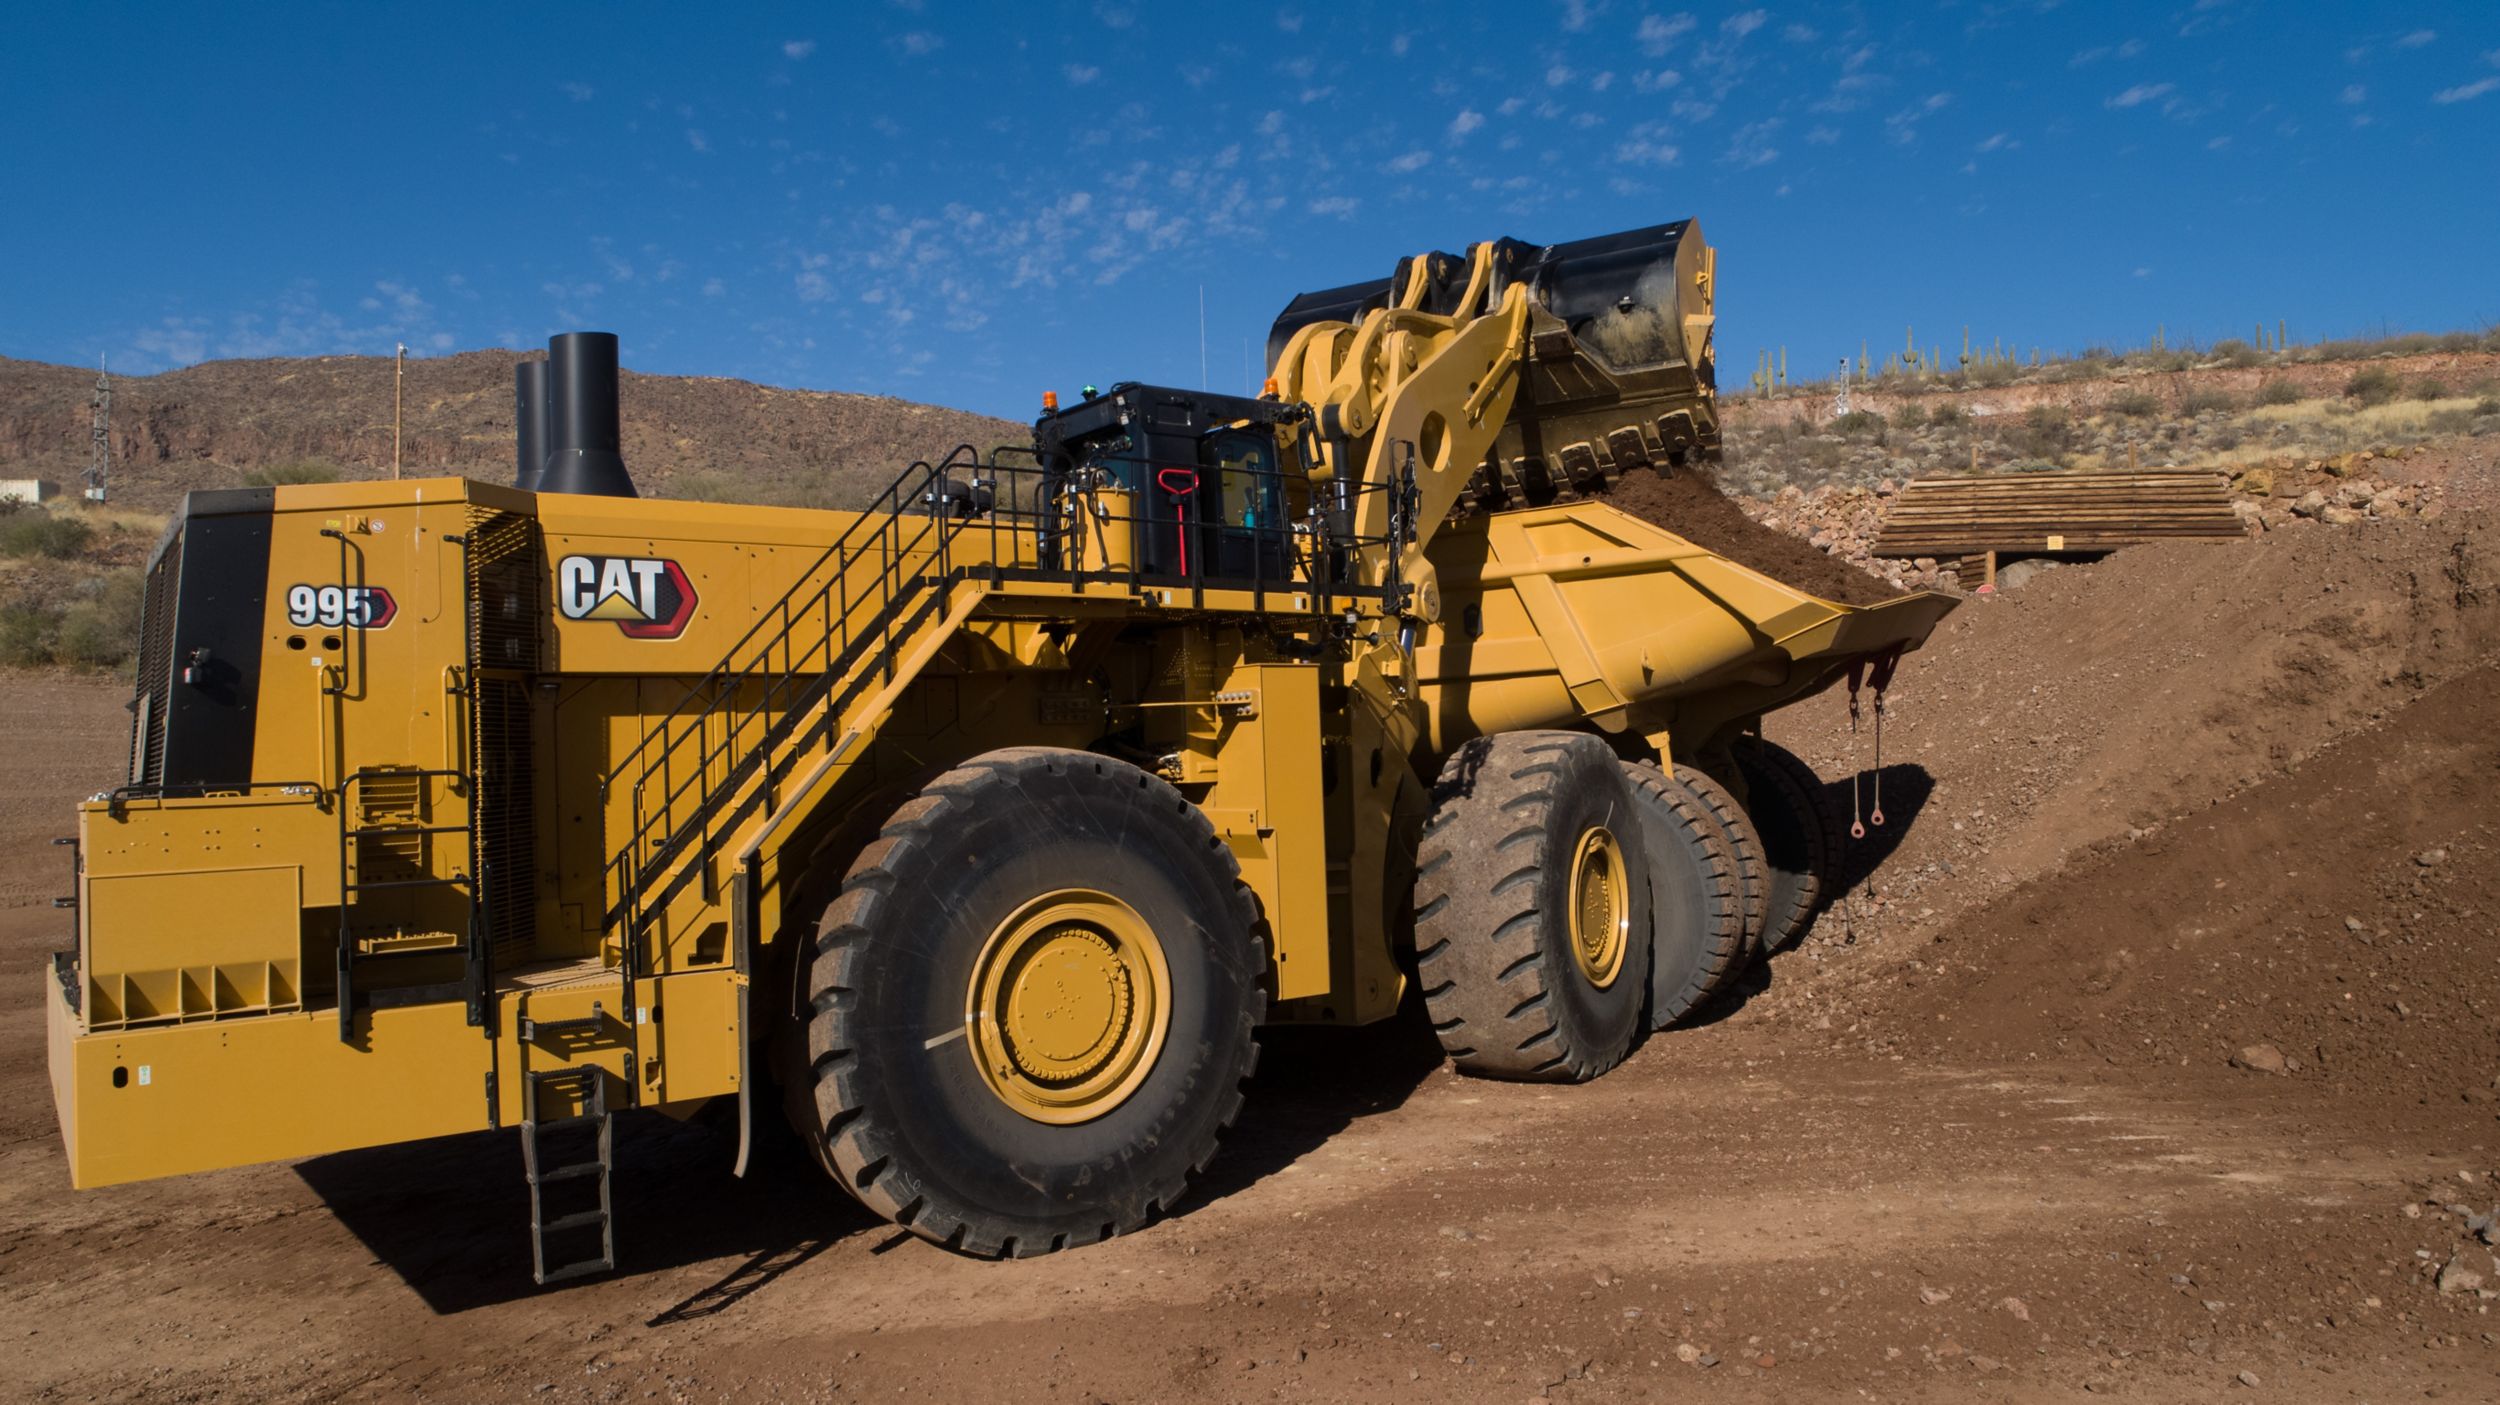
(970, 203)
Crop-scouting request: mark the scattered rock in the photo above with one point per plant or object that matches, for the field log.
(2016, 1306)
(2248, 1379)
(2431, 858)
(2457, 1277)
(1933, 1296)
(2260, 1058)
(1687, 1353)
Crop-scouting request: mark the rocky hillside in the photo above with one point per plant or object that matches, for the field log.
(209, 425)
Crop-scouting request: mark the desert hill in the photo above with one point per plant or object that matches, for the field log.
(208, 425)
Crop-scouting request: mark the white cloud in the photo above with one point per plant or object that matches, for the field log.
(2417, 39)
(1465, 122)
(1083, 73)
(2466, 92)
(2126, 50)
(1657, 82)
(797, 48)
(1751, 146)
(1115, 16)
(2353, 93)
(696, 139)
(1557, 75)
(578, 92)
(1800, 33)
(713, 287)
(1744, 22)
(1575, 15)
(1999, 142)
(1823, 136)
(1289, 21)
(1903, 125)
(1411, 161)
(1656, 33)
(1342, 206)
(919, 43)
(2141, 93)
(1647, 145)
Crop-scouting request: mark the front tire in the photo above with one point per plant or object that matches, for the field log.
(1032, 1005)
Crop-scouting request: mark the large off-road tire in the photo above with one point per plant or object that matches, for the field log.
(1800, 837)
(1532, 921)
(1031, 1008)
(1744, 845)
(1697, 930)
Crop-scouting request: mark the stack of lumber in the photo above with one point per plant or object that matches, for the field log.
(2038, 513)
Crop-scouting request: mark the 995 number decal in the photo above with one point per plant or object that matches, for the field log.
(340, 606)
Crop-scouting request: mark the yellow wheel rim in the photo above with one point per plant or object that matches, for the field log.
(1068, 1005)
(1601, 919)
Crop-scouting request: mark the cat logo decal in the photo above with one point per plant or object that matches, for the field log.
(648, 598)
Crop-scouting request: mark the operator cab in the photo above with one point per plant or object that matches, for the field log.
(1210, 485)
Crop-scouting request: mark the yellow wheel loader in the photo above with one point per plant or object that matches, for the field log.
(980, 830)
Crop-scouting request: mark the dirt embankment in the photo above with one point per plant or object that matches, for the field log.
(2095, 701)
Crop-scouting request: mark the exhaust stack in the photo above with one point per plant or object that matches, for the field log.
(582, 425)
(529, 416)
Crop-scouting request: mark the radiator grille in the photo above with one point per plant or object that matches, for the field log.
(507, 852)
(505, 578)
(156, 665)
(504, 584)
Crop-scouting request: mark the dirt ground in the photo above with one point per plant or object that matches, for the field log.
(1990, 1133)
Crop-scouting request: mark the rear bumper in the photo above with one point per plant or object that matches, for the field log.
(136, 1104)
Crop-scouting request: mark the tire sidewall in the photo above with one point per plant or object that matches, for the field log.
(1033, 831)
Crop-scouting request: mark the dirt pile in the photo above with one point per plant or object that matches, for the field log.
(2095, 701)
(2335, 923)
(1690, 505)
(207, 425)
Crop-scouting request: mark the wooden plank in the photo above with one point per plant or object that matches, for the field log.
(2086, 512)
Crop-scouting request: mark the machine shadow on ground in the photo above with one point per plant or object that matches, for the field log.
(451, 1216)
(1903, 790)
(1314, 1083)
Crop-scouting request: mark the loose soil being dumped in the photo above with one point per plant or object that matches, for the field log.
(1689, 504)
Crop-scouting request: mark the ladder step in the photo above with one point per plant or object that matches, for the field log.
(569, 1173)
(582, 1220)
(583, 1269)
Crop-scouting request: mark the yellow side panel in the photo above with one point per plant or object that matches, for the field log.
(162, 1102)
(175, 946)
(1289, 727)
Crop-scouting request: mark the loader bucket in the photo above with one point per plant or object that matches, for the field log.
(1619, 371)
(1580, 611)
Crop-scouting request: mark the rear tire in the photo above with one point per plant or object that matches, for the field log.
(1744, 843)
(1697, 942)
(1031, 1007)
(1532, 919)
(1800, 838)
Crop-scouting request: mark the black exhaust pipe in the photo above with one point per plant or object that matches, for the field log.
(582, 426)
(529, 415)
